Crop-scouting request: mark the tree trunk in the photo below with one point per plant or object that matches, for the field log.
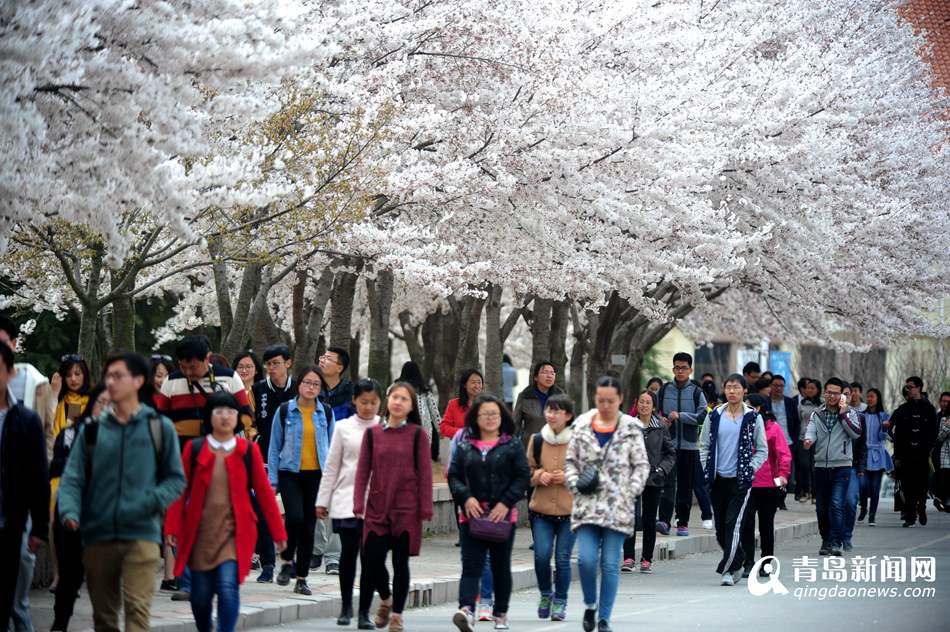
(88, 326)
(380, 295)
(493, 342)
(578, 352)
(410, 335)
(237, 336)
(310, 317)
(355, 350)
(123, 315)
(603, 324)
(222, 290)
(558, 345)
(341, 309)
(469, 319)
(541, 331)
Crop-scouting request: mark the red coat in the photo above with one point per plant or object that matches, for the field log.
(453, 420)
(182, 519)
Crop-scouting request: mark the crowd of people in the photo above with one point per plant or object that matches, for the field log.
(183, 461)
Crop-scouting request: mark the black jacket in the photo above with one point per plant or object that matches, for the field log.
(501, 476)
(860, 447)
(23, 474)
(662, 454)
(914, 428)
(266, 402)
(61, 451)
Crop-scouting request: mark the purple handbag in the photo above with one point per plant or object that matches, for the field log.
(488, 531)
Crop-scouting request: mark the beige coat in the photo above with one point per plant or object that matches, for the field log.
(551, 500)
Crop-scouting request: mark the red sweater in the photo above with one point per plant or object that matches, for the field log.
(453, 420)
(182, 521)
(400, 483)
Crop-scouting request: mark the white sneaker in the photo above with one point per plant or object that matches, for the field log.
(501, 623)
(464, 620)
(708, 524)
(727, 580)
(484, 612)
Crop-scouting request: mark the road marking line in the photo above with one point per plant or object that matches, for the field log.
(560, 625)
(920, 546)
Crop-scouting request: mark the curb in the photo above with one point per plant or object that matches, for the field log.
(436, 591)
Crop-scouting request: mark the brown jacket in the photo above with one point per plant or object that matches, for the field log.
(552, 500)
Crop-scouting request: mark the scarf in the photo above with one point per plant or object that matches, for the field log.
(71, 400)
(560, 438)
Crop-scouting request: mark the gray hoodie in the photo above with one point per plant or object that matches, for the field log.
(833, 433)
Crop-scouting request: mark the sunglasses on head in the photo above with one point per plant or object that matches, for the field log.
(72, 357)
(159, 358)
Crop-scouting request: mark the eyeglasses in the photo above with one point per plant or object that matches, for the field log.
(72, 357)
(548, 373)
(115, 376)
(491, 415)
(680, 368)
(833, 394)
(223, 411)
(310, 383)
(330, 358)
(245, 367)
(274, 362)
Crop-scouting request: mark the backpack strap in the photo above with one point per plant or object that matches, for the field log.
(90, 434)
(158, 438)
(659, 398)
(247, 466)
(536, 445)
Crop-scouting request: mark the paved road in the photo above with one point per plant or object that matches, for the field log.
(685, 594)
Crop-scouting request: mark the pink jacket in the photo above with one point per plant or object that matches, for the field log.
(779, 462)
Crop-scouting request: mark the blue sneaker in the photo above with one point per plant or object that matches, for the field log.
(266, 576)
(544, 607)
(662, 527)
(558, 610)
(682, 531)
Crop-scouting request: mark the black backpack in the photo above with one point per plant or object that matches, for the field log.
(536, 446)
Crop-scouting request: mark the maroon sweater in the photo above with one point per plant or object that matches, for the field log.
(400, 483)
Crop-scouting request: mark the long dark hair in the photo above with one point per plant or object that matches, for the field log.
(463, 394)
(880, 401)
(66, 366)
(471, 416)
(94, 394)
(413, 416)
(412, 374)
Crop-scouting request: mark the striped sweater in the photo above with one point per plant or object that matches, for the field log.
(183, 401)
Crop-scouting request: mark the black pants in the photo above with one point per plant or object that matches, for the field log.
(298, 490)
(350, 540)
(10, 543)
(375, 578)
(71, 572)
(730, 512)
(803, 470)
(649, 501)
(688, 477)
(668, 496)
(473, 561)
(764, 504)
(265, 543)
(914, 474)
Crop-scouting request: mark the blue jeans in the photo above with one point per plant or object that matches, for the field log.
(831, 490)
(851, 505)
(871, 490)
(488, 583)
(545, 533)
(223, 582)
(599, 546)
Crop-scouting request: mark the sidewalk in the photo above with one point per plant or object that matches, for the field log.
(435, 579)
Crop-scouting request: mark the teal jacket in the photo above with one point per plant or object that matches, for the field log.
(129, 487)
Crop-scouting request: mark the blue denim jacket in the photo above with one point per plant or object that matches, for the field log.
(286, 439)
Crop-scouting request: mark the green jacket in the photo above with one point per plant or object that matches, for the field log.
(128, 490)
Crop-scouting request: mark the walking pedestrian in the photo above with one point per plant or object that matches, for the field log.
(393, 496)
(24, 484)
(831, 430)
(69, 543)
(785, 411)
(914, 429)
(654, 384)
(299, 443)
(248, 368)
(733, 447)
(550, 507)
(335, 497)
(767, 486)
(529, 408)
(879, 462)
(428, 403)
(489, 474)
(268, 395)
(123, 471)
(337, 390)
(859, 460)
(681, 401)
(662, 455)
(606, 468)
(942, 495)
(212, 525)
(471, 383)
(808, 402)
(509, 380)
